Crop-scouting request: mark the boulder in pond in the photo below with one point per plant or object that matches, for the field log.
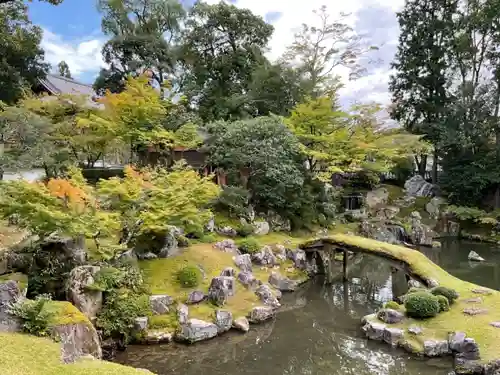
(88, 301)
(221, 288)
(248, 280)
(223, 320)
(392, 336)
(195, 296)
(390, 316)
(416, 186)
(78, 340)
(281, 282)
(436, 348)
(195, 330)
(265, 257)
(228, 271)
(260, 314)
(475, 257)
(243, 262)
(374, 330)
(266, 295)
(261, 228)
(241, 324)
(160, 303)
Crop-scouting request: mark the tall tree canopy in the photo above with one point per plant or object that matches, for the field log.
(222, 46)
(22, 57)
(63, 69)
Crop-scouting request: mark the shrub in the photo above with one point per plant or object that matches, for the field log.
(392, 305)
(194, 231)
(208, 238)
(119, 312)
(189, 276)
(444, 304)
(233, 200)
(124, 277)
(450, 294)
(415, 290)
(34, 315)
(183, 241)
(249, 245)
(421, 305)
(245, 230)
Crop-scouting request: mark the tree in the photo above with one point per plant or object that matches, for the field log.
(143, 38)
(22, 58)
(318, 50)
(53, 2)
(63, 69)
(420, 85)
(222, 47)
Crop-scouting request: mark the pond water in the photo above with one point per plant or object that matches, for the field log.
(318, 329)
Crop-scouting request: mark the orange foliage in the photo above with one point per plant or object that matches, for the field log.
(65, 190)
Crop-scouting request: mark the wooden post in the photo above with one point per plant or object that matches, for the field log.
(344, 266)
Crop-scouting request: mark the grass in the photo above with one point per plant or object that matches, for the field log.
(30, 355)
(160, 275)
(21, 279)
(477, 327)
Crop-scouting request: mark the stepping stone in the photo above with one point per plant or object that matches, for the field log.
(495, 324)
(482, 291)
(474, 300)
(474, 311)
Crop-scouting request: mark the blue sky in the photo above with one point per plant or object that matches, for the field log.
(72, 32)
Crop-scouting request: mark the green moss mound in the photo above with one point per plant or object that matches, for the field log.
(189, 276)
(245, 230)
(392, 305)
(444, 304)
(450, 294)
(249, 245)
(422, 305)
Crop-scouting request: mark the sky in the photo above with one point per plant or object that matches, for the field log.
(72, 32)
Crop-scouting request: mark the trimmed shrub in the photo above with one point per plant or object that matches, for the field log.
(194, 231)
(189, 276)
(183, 241)
(392, 305)
(208, 238)
(249, 245)
(415, 290)
(245, 230)
(35, 317)
(422, 305)
(444, 304)
(450, 294)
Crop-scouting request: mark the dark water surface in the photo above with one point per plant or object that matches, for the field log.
(318, 329)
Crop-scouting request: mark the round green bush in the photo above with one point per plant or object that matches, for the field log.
(189, 276)
(245, 230)
(249, 245)
(392, 305)
(183, 241)
(421, 305)
(444, 305)
(451, 294)
(415, 290)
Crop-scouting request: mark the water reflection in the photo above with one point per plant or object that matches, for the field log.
(317, 332)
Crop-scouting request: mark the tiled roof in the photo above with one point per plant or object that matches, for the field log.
(61, 85)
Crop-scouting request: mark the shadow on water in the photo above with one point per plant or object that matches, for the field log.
(316, 332)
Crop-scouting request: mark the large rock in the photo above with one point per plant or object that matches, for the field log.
(418, 187)
(421, 234)
(265, 257)
(465, 346)
(241, 324)
(196, 330)
(170, 245)
(475, 257)
(87, 300)
(160, 303)
(228, 271)
(281, 282)
(436, 348)
(227, 246)
(243, 262)
(390, 316)
(248, 280)
(266, 295)
(195, 296)
(223, 320)
(392, 336)
(221, 288)
(261, 314)
(374, 330)
(298, 257)
(9, 295)
(261, 228)
(376, 198)
(182, 313)
(78, 340)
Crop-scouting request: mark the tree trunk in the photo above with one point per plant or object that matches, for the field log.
(421, 165)
(435, 164)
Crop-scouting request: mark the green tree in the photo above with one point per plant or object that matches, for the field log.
(63, 69)
(144, 36)
(319, 49)
(53, 2)
(22, 58)
(420, 85)
(222, 47)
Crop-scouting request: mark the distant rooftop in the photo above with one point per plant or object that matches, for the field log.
(57, 85)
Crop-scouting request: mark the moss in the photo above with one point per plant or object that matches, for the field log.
(63, 313)
(21, 279)
(167, 322)
(438, 327)
(392, 305)
(29, 355)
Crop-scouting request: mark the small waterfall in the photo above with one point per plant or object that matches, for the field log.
(399, 232)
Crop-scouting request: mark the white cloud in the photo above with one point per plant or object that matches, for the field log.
(83, 56)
